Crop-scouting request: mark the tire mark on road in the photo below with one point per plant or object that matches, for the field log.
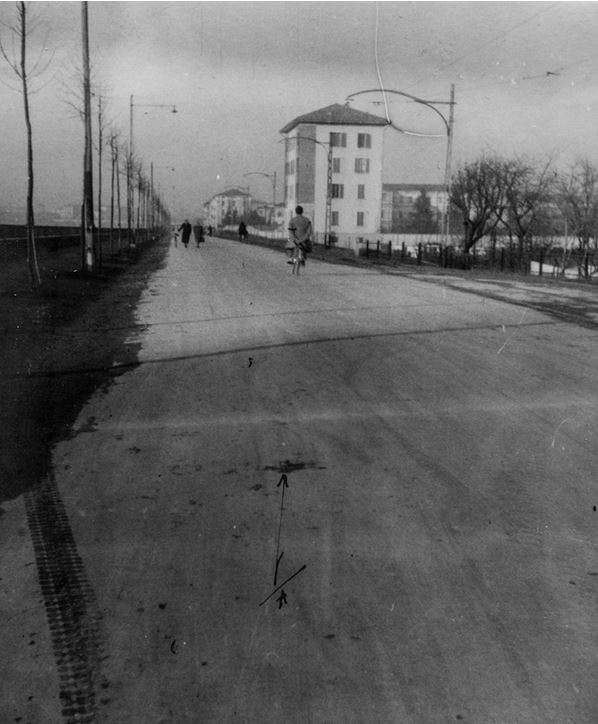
(71, 608)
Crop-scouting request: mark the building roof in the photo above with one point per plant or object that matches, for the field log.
(337, 115)
(229, 192)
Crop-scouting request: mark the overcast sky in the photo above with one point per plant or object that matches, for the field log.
(525, 76)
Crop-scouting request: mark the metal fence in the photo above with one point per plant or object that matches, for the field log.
(540, 261)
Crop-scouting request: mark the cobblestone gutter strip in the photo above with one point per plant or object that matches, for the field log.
(72, 612)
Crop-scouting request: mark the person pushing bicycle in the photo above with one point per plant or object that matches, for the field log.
(299, 234)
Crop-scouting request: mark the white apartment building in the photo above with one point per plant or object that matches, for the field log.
(344, 147)
(229, 207)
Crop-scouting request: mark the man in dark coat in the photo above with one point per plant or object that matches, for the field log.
(185, 228)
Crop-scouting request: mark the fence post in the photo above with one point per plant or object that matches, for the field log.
(419, 253)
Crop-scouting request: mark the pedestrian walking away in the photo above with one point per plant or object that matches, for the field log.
(242, 231)
(299, 235)
(185, 229)
(198, 234)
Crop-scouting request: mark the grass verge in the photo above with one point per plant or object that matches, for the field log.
(59, 346)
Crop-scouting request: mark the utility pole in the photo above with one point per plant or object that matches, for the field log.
(328, 214)
(87, 216)
(446, 226)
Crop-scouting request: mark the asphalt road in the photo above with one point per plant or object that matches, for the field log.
(438, 522)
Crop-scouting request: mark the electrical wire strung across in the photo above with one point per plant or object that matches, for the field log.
(441, 68)
(378, 63)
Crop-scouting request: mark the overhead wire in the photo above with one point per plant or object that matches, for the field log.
(542, 76)
(382, 89)
(376, 35)
(503, 34)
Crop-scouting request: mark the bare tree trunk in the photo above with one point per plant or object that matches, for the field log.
(112, 179)
(138, 224)
(118, 196)
(31, 247)
(100, 143)
(130, 200)
(88, 225)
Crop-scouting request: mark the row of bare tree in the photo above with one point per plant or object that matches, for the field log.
(532, 204)
(145, 209)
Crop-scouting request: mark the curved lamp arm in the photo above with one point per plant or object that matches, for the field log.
(415, 99)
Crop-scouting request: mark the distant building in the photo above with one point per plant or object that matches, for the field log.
(228, 208)
(70, 213)
(344, 147)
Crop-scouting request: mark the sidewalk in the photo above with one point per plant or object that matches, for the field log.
(575, 302)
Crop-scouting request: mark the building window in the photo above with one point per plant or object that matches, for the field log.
(362, 165)
(364, 140)
(334, 218)
(336, 165)
(338, 139)
(360, 218)
(361, 191)
(337, 191)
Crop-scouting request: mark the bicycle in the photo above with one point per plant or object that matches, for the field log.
(298, 259)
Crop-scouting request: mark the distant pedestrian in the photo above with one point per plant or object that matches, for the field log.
(210, 230)
(198, 234)
(299, 233)
(185, 229)
(242, 231)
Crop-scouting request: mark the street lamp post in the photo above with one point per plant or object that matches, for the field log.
(328, 207)
(448, 124)
(130, 185)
